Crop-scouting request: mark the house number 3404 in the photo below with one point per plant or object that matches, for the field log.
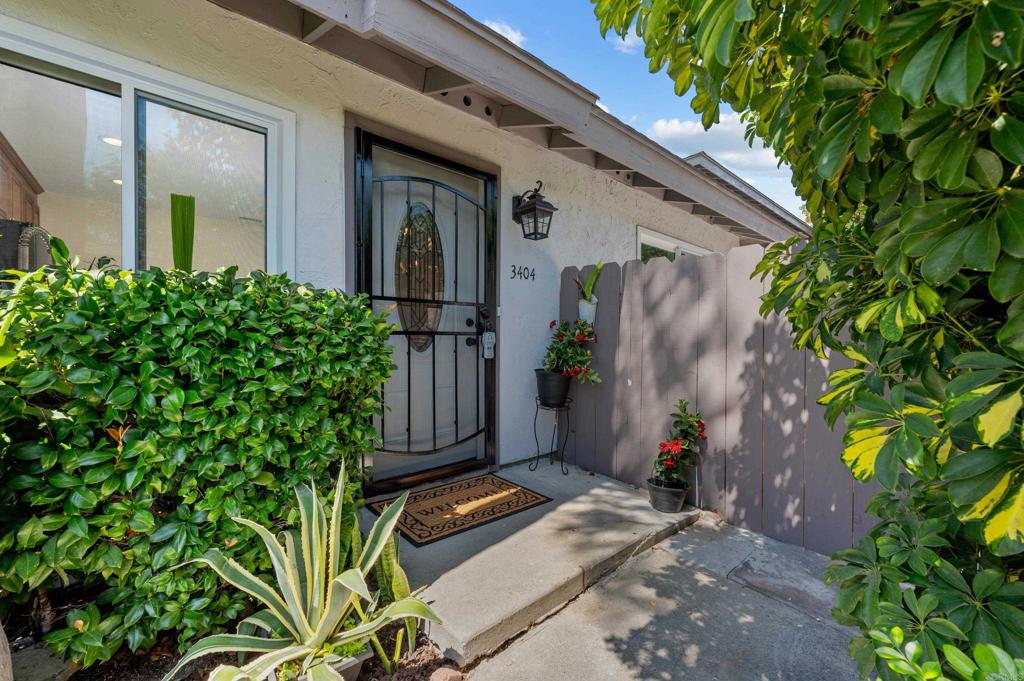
(524, 272)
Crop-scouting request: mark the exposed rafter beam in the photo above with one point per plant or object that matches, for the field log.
(645, 182)
(724, 222)
(437, 80)
(704, 211)
(513, 116)
(605, 163)
(559, 140)
(314, 27)
(672, 196)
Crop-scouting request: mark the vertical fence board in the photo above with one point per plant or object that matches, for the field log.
(629, 377)
(743, 385)
(784, 394)
(658, 357)
(711, 399)
(680, 328)
(606, 327)
(584, 403)
(828, 490)
(567, 310)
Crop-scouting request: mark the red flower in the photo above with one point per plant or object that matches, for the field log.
(565, 372)
(663, 446)
(576, 371)
(559, 336)
(669, 462)
(676, 447)
(553, 324)
(700, 424)
(580, 337)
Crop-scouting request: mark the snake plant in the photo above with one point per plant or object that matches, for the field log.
(316, 606)
(183, 230)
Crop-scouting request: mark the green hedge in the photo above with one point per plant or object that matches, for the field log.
(139, 412)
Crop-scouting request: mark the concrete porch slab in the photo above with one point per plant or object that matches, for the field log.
(495, 581)
(714, 603)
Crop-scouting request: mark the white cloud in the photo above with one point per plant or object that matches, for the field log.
(513, 35)
(724, 142)
(631, 44)
(602, 106)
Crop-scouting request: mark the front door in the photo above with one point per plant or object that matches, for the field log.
(426, 257)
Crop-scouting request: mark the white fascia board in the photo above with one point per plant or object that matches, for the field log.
(442, 35)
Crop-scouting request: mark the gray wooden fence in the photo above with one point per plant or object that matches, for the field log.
(690, 329)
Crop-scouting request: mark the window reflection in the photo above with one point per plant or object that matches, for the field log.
(60, 169)
(221, 164)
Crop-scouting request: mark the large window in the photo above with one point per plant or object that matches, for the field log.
(93, 144)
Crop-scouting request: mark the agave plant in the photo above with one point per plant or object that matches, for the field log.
(316, 606)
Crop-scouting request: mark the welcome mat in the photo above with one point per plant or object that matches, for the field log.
(445, 510)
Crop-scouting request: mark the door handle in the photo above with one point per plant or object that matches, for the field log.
(470, 341)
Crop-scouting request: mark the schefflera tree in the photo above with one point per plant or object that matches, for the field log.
(903, 125)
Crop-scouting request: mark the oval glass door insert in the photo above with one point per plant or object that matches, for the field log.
(419, 276)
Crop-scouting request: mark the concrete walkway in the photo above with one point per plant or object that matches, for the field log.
(712, 603)
(493, 582)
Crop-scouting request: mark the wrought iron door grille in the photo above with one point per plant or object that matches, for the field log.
(420, 295)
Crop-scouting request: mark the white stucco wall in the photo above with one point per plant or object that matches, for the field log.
(597, 215)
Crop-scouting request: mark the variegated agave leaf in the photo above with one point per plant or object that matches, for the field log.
(314, 594)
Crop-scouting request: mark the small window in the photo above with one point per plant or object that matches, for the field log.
(221, 163)
(60, 168)
(651, 244)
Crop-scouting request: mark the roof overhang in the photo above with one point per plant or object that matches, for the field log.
(436, 49)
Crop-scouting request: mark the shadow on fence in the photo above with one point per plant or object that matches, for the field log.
(691, 329)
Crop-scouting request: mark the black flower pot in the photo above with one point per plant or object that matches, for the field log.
(666, 497)
(552, 388)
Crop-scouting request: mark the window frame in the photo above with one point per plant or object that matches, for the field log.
(137, 77)
(650, 237)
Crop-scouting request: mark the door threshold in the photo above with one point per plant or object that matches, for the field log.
(379, 488)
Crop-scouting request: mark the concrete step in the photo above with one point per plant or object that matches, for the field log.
(493, 582)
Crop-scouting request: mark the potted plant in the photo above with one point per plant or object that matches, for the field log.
(588, 301)
(567, 357)
(319, 614)
(667, 484)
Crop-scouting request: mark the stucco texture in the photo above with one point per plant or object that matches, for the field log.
(597, 215)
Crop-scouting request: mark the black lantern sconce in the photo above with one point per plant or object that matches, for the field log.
(533, 213)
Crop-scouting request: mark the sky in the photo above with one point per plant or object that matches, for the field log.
(564, 33)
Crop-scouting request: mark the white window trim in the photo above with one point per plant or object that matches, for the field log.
(666, 243)
(134, 75)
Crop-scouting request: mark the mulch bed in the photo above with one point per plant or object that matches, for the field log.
(152, 664)
(418, 666)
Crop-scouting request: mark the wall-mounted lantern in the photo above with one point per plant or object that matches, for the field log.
(533, 213)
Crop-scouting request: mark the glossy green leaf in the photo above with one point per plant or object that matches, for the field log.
(1001, 33)
(962, 71)
(1007, 280)
(1008, 138)
(917, 79)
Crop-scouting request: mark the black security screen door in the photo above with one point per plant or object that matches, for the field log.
(426, 257)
